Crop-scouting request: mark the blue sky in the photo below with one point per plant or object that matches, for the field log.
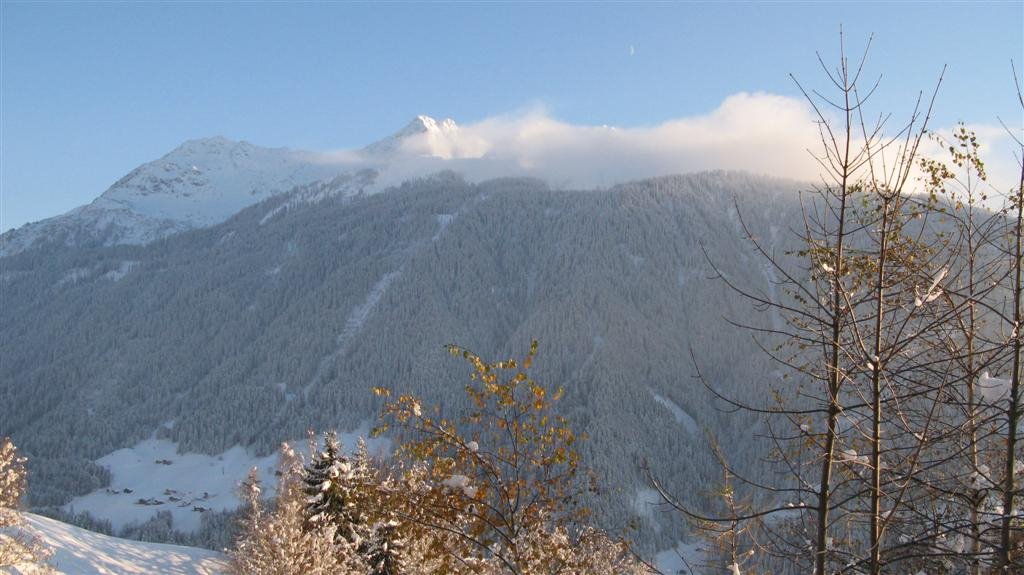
(91, 90)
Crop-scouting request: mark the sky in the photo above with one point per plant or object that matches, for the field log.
(89, 91)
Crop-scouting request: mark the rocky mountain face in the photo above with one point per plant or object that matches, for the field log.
(283, 316)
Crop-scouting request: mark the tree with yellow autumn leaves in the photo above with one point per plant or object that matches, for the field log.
(490, 491)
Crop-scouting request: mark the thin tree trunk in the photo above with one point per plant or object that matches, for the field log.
(972, 405)
(834, 383)
(972, 432)
(1013, 409)
(972, 408)
(875, 561)
(821, 541)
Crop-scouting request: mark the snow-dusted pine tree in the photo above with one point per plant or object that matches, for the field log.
(337, 487)
(384, 552)
(280, 541)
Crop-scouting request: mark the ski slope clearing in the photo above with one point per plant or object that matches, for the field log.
(80, 552)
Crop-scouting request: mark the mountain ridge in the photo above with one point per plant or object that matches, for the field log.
(204, 181)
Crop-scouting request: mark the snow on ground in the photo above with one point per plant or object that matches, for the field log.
(344, 185)
(993, 388)
(77, 551)
(73, 276)
(122, 270)
(684, 558)
(442, 222)
(353, 323)
(646, 502)
(152, 476)
(358, 316)
(682, 418)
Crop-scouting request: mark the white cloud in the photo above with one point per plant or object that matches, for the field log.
(756, 132)
(760, 133)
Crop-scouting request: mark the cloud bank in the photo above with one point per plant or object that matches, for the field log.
(756, 132)
(760, 133)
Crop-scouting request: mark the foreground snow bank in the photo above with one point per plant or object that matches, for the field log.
(77, 551)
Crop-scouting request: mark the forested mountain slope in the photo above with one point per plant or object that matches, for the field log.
(279, 320)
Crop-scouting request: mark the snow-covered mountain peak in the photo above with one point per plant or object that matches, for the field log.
(208, 142)
(205, 181)
(422, 123)
(211, 145)
(416, 137)
(200, 183)
(219, 148)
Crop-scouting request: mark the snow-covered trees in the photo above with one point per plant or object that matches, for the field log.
(496, 488)
(12, 477)
(384, 552)
(347, 494)
(280, 540)
(505, 468)
(19, 547)
(492, 491)
(234, 364)
(330, 483)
